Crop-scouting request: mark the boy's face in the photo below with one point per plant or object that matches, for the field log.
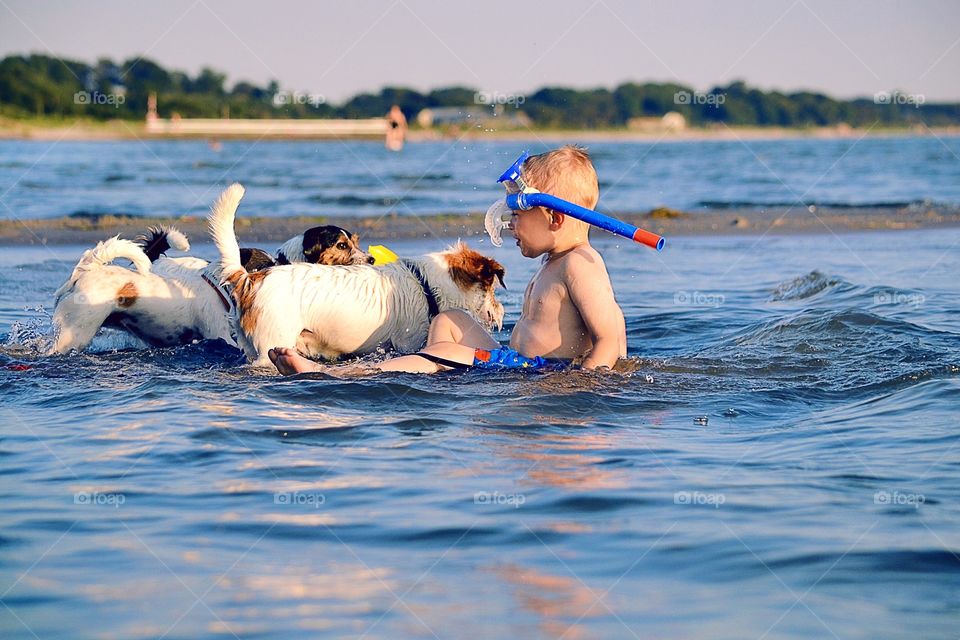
(532, 230)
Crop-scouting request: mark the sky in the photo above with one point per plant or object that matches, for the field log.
(337, 49)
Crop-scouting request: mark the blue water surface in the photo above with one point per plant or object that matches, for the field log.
(41, 179)
(782, 461)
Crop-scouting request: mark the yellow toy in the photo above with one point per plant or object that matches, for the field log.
(381, 255)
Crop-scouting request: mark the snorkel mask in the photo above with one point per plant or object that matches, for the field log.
(521, 197)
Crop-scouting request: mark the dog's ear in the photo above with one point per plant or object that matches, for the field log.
(467, 267)
(490, 269)
(316, 240)
(255, 259)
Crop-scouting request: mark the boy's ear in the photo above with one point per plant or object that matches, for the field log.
(556, 220)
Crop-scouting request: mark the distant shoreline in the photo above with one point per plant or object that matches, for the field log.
(113, 130)
(262, 231)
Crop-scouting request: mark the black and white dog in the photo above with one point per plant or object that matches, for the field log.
(168, 301)
(327, 244)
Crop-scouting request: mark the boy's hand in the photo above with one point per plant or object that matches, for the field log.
(591, 292)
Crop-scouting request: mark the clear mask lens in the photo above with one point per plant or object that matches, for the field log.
(497, 219)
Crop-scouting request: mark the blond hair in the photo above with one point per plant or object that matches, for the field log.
(567, 173)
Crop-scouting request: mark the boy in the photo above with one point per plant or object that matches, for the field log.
(569, 312)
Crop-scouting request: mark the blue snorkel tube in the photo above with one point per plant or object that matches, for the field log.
(527, 198)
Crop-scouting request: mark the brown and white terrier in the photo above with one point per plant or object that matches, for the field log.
(332, 311)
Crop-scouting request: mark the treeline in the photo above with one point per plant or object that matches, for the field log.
(38, 85)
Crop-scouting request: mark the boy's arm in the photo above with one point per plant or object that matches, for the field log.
(591, 292)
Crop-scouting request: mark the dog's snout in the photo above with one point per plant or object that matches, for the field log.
(371, 259)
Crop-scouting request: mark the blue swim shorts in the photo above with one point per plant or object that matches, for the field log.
(507, 358)
(500, 359)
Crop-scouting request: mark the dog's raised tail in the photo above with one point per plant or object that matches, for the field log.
(103, 254)
(160, 239)
(221, 221)
(109, 250)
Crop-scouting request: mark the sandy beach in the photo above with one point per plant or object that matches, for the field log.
(88, 229)
(91, 130)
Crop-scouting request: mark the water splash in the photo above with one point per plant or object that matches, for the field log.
(29, 337)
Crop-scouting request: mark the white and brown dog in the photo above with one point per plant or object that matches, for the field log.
(168, 301)
(331, 311)
(165, 303)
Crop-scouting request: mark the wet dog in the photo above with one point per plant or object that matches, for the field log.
(328, 244)
(168, 301)
(331, 311)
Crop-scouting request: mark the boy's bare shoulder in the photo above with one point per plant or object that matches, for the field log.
(582, 260)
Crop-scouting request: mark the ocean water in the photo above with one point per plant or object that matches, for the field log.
(361, 178)
(781, 462)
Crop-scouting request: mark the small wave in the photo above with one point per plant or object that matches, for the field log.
(919, 392)
(837, 328)
(426, 177)
(826, 204)
(818, 353)
(894, 297)
(263, 182)
(595, 503)
(181, 180)
(351, 200)
(59, 267)
(119, 350)
(806, 286)
(834, 290)
(94, 217)
(206, 164)
(460, 536)
(848, 566)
